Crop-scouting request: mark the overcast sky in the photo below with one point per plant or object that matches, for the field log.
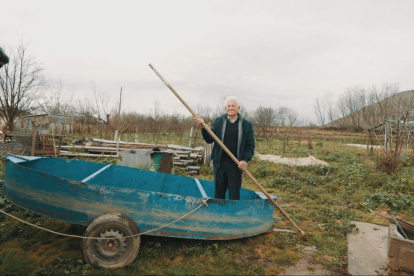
(267, 53)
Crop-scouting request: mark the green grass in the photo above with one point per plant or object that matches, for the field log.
(13, 262)
(321, 200)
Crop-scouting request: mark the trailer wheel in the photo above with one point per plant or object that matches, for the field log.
(111, 253)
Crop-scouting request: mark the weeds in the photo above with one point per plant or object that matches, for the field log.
(12, 263)
(392, 202)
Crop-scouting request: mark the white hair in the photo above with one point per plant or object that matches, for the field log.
(232, 98)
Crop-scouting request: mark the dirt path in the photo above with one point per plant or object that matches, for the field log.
(306, 266)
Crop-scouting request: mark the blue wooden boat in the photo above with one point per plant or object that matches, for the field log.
(116, 201)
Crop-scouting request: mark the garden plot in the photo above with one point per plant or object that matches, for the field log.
(305, 161)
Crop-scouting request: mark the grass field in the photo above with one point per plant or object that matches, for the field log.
(321, 200)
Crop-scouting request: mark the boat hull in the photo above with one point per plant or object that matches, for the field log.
(80, 203)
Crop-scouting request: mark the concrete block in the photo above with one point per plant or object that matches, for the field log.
(367, 252)
(400, 253)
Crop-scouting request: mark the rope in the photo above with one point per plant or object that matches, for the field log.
(204, 202)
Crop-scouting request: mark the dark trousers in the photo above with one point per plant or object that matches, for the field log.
(228, 176)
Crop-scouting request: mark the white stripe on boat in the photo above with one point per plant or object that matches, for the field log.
(95, 174)
(203, 193)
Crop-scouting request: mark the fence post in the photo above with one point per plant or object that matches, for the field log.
(191, 136)
(34, 136)
(413, 154)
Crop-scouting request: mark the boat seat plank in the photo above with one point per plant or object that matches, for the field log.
(203, 193)
(20, 159)
(263, 196)
(95, 174)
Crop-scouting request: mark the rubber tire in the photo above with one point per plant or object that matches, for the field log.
(111, 221)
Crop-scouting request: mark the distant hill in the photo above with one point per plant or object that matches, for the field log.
(390, 108)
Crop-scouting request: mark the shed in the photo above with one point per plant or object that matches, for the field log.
(46, 124)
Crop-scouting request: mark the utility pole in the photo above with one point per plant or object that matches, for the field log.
(119, 123)
(136, 133)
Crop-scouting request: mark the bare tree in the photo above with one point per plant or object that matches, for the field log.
(368, 110)
(157, 120)
(56, 98)
(84, 113)
(385, 99)
(319, 109)
(264, 119)
(329, 106)
(100, 109)
(179, 124)
(94, 112)
(22, 80)
(289, 118)
(349, 105)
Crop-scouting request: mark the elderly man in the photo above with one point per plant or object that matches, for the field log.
(237, 135)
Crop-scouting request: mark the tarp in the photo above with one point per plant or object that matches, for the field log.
(3, 58)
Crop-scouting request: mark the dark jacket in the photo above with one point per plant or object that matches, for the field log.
(246, 143)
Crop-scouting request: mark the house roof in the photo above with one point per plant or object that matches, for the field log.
(4, 59)
(45, 118)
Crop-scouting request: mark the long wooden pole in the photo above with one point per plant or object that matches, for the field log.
(228, 152)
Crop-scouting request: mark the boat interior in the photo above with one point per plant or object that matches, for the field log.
(92, 173)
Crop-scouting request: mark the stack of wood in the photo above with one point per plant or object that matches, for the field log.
(125, 145)
(105, 148)
(186, 157)
(188, 160)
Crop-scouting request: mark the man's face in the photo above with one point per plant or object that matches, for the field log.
(232, 108)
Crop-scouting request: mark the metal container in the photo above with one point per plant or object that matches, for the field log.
(157, 161)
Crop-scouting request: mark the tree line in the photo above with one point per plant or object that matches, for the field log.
(359, 108)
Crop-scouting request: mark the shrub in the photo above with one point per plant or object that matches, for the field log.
(388, 163)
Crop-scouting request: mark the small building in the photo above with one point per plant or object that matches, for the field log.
(45, 124)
